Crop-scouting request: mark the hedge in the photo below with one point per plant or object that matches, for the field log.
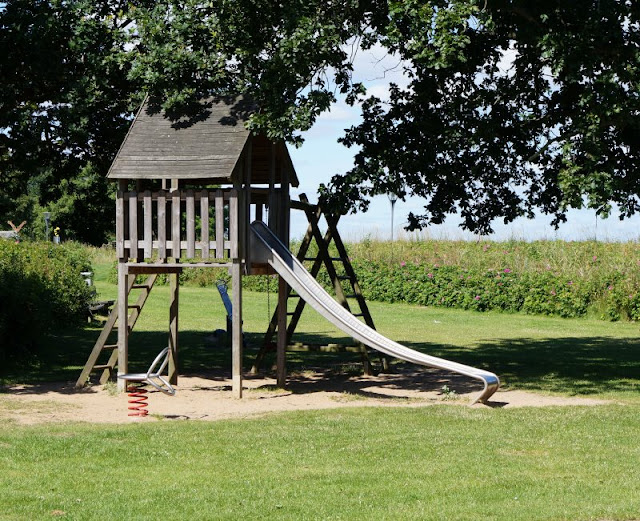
(40, 287)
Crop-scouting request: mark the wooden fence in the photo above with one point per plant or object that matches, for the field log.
(184, 224)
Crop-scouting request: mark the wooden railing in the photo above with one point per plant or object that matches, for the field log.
(161, 225)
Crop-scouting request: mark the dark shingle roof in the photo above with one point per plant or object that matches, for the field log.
(205, 145)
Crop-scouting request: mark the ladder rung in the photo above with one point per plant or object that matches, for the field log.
(352, 295)
(344, 277)
(141, 286)
(339, 259)
(101, 367)
(358, 314)
(291, 313)
(134, 306)
(309, 258)
(110, 346)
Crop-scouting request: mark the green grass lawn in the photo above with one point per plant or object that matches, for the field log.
(441, 462)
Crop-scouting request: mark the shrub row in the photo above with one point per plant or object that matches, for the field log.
(40, 287)
(610, 295)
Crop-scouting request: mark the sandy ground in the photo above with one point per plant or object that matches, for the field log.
(208, 397)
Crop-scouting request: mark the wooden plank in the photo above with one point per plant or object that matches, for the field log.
(204, 224)
(133, 225)
(173, 267)
(148, 219)
(175, 225)
(219, 225)
(97, 348)
(233, 224)
(120, 223)
(191, 225)
(162, 226)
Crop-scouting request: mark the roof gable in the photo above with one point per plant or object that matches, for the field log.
(207, 144)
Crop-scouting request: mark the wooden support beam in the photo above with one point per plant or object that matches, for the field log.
(281, 352)
(123, 326)
(173, 328)
(236, 333)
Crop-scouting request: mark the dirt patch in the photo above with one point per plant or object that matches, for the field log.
(208, 397)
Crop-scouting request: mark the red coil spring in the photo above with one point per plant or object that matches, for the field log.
(137, 399)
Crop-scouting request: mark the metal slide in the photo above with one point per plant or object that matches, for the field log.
(271, 250)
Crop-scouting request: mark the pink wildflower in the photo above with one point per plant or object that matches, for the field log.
(570, 283)
(609, 287)
(430, 275)
(595, 258)
(507, 270)
(477, 297)
(553, 292)
(403, 263)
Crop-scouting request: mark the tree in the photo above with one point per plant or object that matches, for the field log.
(556, 125)
(65, 105)
(558, 128)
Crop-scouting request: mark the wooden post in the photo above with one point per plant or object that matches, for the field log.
(236, 282)
(123, 322)
(281, 350)
(173, 328)
(283, 233)
(246, 215)
(236, 330)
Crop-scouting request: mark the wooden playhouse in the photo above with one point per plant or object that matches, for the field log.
(174, 179)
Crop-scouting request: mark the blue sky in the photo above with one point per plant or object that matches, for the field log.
(321, 156)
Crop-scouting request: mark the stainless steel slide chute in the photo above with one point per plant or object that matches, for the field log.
(269, 249)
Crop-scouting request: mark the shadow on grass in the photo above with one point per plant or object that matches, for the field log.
(578, 366)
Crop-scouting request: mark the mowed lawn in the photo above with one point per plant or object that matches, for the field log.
(442, 462)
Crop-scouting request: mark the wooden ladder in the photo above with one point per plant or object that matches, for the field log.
(314, 214)
(108, 368)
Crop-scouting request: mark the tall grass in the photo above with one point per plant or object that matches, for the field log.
(585, 259)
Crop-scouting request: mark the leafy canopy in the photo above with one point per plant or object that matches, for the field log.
(511, 106)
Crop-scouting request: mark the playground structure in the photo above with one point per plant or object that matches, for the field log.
(204, 191)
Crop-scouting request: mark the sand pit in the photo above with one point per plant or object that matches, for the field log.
(208, 397)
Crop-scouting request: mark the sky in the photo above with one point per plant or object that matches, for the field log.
(321, 156)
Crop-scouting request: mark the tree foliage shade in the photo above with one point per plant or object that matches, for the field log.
(510, 106)
(65, 104)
